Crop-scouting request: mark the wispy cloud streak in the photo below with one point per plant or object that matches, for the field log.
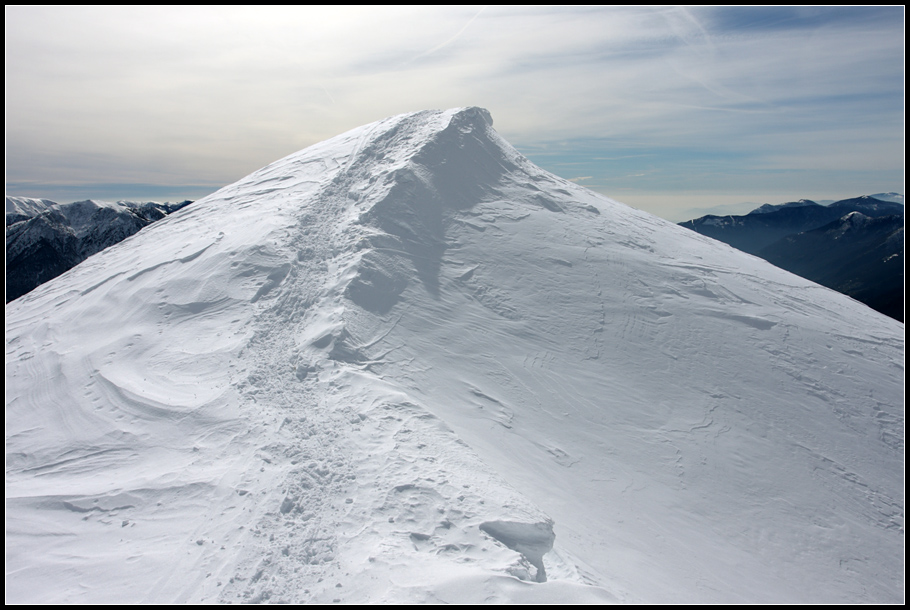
(452, 39)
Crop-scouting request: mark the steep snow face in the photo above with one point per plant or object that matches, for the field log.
(407, 365)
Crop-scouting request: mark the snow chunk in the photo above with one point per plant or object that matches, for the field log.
(532, 540)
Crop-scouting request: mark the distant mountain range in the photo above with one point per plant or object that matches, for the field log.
(44, 238)
(854, 246)
(744, 207)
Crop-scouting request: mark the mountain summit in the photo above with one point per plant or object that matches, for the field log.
(407, 365)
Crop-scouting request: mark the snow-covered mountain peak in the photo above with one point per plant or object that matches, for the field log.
(26, 206)
(894, 197)
(855, 218)
(407, 365)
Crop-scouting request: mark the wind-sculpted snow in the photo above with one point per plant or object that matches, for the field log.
(407, 365)
(532, 540)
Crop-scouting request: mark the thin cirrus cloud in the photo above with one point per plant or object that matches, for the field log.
(653, 103)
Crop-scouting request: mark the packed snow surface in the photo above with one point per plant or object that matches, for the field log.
(407, 365)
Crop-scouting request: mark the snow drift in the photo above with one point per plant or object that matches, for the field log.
(407, 365)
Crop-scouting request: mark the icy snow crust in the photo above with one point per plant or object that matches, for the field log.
(407, 365)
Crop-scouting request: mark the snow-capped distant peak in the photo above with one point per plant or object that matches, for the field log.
(854, 220)
(768, 208)
(27, 206)
(892, 197)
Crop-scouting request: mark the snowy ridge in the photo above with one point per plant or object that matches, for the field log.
(768, 208)
(26, 206)
(407, 365)
(894, 197)
(79, 214)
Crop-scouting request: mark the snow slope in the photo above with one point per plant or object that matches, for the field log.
(407, 365)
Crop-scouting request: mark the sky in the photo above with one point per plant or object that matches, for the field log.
(673, 110)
